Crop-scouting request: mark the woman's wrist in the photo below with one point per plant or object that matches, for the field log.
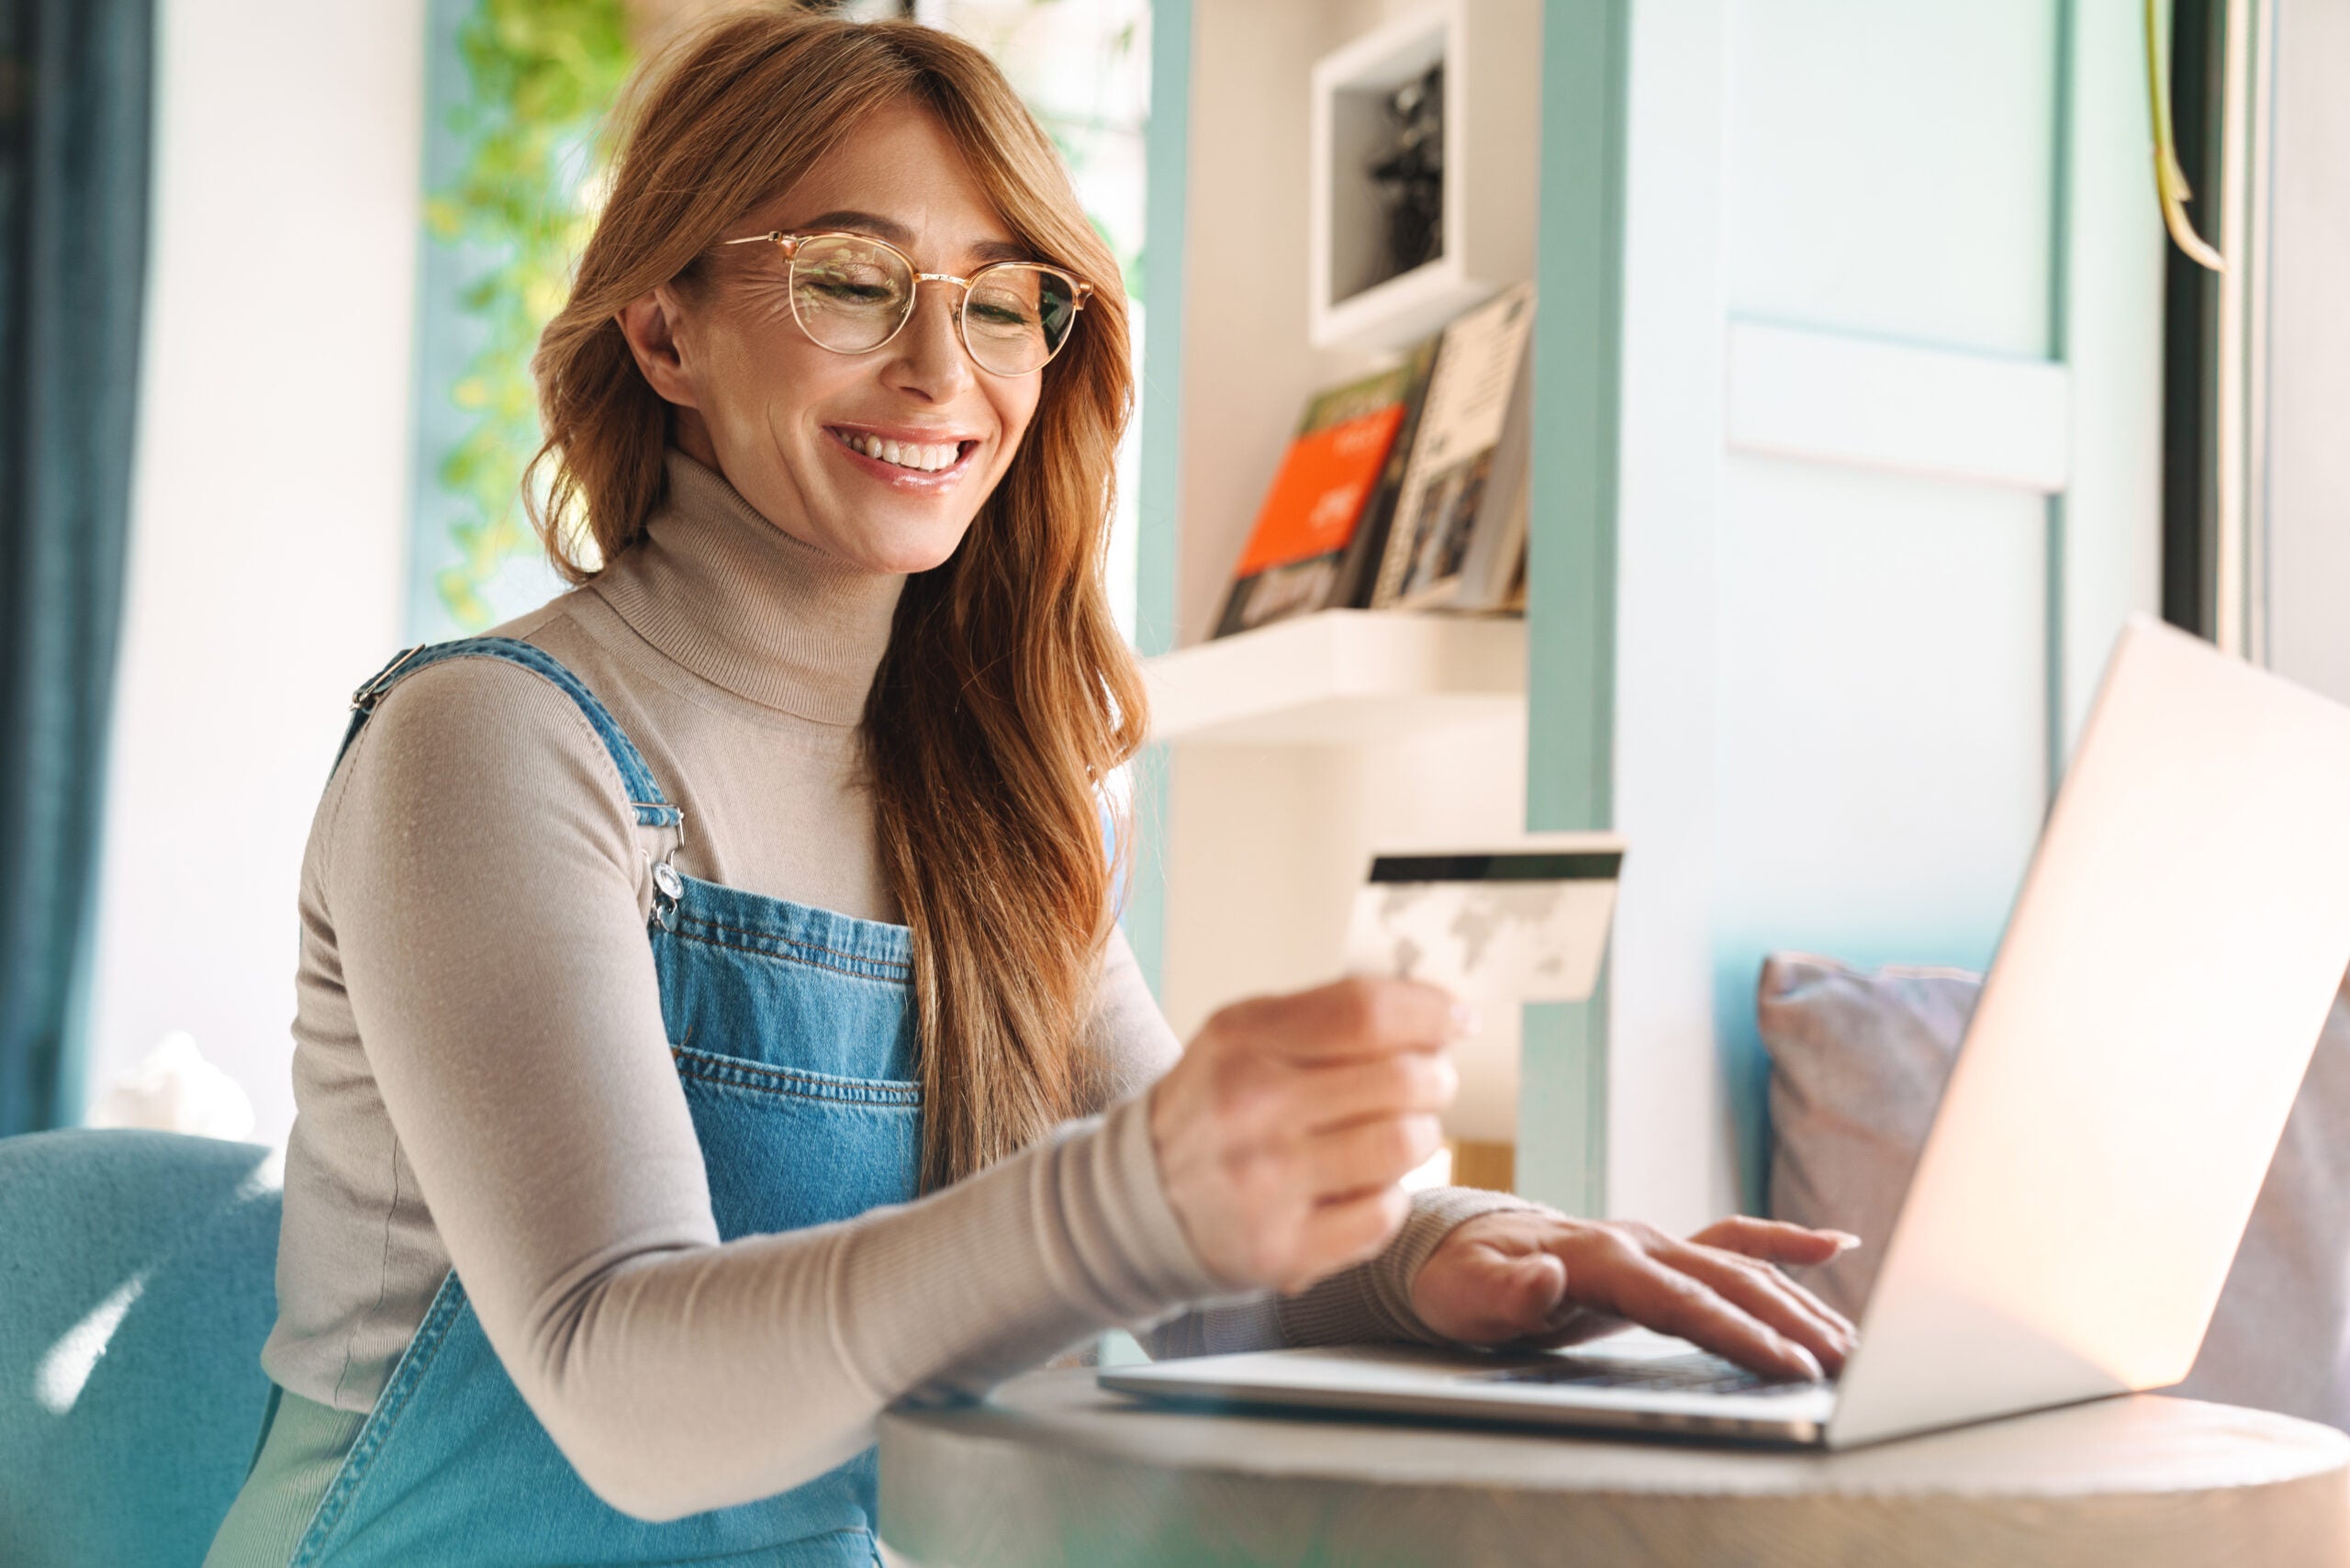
(1371, 1302)
(1165, 1254)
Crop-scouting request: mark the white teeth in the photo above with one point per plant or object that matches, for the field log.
(927, 459)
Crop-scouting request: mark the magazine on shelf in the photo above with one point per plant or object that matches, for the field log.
(1318, 536)
(1459, 531)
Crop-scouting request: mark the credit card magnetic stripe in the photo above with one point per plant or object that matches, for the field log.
(1581, 865)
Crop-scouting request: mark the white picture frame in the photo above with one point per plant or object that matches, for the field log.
(1491, 51)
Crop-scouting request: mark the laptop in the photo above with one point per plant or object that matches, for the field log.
(2108, 1121)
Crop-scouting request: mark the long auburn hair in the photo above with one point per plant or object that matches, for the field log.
(1006, 695)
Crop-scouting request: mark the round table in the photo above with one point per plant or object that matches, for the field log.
(1053, 1471)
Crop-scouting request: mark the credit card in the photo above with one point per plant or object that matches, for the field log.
(1496, 926)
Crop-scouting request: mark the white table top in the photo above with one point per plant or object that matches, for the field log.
(1055, 1471)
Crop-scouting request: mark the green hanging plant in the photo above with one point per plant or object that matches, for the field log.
(542, 76)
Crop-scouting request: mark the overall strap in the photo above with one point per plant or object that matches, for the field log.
(653, 808)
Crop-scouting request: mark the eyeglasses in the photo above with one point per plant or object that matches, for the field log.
(852, 294)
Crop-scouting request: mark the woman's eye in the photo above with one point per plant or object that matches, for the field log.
(849, 291)
(996, 314)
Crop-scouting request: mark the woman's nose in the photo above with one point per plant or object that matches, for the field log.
(931, 359)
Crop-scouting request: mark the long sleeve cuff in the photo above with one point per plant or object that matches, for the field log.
(1371, 1302)
(1137, 1248)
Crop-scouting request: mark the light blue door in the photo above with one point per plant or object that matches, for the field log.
(1850, 372)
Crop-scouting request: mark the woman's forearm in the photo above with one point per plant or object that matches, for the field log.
(694, 1378)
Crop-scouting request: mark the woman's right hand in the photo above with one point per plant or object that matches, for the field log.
(1282, 1132)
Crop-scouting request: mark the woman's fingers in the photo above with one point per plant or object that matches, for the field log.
(1775, 1241)
(1639, 1287)
(1483, 1285)
(1793, 1246)
(1356, 1017)
(1769, 1297)
(1397, 1085)
(1283, 1104)
(1813, 1305)
(1354, 1158)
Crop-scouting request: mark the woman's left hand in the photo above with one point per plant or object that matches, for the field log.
(1534, 1277)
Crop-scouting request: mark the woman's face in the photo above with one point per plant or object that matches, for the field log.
(777, 414)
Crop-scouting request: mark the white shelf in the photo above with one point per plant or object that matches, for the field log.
(1339, 677)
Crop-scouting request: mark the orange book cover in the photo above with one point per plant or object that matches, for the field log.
(1318, 494)
(1335, 477)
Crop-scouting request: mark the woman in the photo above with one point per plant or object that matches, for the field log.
(713, 970)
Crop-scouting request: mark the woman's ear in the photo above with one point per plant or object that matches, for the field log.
(650, 323)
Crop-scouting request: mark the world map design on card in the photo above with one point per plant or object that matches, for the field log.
(1496, 927)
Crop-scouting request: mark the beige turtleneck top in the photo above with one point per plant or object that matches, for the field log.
(482, 1079)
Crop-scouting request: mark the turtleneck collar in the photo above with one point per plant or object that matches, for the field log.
(745, 606)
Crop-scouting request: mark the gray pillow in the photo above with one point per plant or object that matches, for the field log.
(1858, 1061)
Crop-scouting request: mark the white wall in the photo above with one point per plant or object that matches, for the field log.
(268, 506)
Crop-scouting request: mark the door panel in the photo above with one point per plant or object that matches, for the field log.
(1882, 770)
(1890, 168)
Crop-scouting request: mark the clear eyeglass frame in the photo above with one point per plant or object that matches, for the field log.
(791, 244)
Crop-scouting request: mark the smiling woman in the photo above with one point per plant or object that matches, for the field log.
(712, 1025)
(805, 380)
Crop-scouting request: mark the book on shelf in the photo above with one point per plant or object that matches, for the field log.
(1457, 539)
(1319, 533)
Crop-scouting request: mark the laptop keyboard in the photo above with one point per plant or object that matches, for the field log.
(1695, 1374)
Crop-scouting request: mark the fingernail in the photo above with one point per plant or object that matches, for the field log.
(1810, 1363)
(1845, 1240)
(1465, 1021)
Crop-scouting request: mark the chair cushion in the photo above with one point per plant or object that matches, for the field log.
(1858, 1061)
(139, 1272)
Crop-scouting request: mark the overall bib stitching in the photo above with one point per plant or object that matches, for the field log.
(903, 966)
(350, 1480)
(683, 935)
(739, 1073)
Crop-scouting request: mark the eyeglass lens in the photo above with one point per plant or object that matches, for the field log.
(851, 295)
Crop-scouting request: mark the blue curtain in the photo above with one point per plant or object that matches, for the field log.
(75, 86)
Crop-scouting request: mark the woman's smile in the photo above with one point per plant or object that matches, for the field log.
(905, 457)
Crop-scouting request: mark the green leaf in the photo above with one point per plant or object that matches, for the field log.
(541, 75)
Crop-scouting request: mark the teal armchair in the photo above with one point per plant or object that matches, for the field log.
(136, 1283)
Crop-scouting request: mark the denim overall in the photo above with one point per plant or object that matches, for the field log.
(793, 1029)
